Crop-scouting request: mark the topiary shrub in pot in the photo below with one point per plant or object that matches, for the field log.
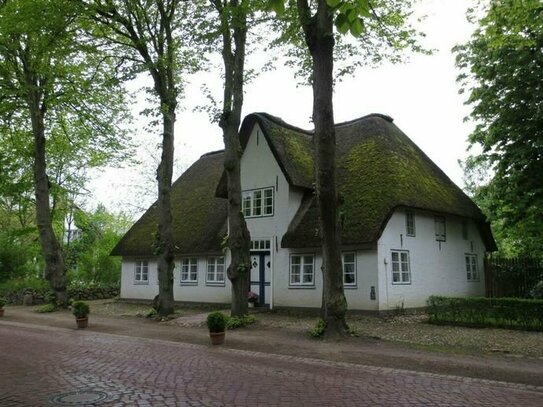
(216, 323)
(81, 311)
(2, 303)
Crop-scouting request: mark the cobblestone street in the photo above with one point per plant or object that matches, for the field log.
(44, 366)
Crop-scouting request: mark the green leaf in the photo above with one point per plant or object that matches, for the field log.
(357, 27)
(333, 3)
(278, 6)
(342, 23)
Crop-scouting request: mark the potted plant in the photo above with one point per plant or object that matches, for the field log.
(252, 298)
(81, 310)
(2, 303)
(216, 323)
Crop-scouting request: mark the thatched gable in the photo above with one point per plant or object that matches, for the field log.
(199, 218)
(379, 169)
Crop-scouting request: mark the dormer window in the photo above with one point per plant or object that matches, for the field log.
(258, 202)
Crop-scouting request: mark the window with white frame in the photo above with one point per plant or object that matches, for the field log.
(472, 272)
(260, 244)
(141, 275)
(302, 270)
(189, 270)
(349, 269)
(258, 202)
(441, 231)
(409, 223)
(215, 270)
(401, 273)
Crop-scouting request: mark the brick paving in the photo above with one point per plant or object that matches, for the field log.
(38, 363)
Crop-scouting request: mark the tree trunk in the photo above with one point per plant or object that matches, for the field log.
(55, 267)
(239, 238)
(320, 40)
(165, 243)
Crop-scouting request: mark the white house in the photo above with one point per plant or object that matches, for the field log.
(407, 230)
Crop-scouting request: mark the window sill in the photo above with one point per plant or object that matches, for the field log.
(188, 283)
(409, 283)
(141, 282)
(301, 287)
(350, 287)
(217, 284)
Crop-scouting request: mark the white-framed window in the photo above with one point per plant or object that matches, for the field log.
(401, 273)
(215, 270)
(349, 269)
(440, 226)
(409, 223)
(260, 244)
(189, 270)
(257, 202)
(302, 269)
(465, 233)
(141, 274)
(472, 271)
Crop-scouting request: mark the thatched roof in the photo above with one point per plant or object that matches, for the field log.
(199, 218)
(379, 169)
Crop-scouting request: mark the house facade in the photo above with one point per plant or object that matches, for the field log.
(407, 231)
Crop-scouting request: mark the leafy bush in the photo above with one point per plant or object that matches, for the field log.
(2, 302)
(80, 309)
(479, 311)
(537, 291)
(46, 308)
(151, 313)
(237, 322)
(318, 330)
(216, 321)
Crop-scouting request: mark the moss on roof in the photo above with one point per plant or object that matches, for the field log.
(379, 170)
(198, 217)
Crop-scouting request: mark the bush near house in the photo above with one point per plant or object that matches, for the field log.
(515, 313)
(14, 290)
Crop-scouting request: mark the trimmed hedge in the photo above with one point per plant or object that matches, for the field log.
(516, 313)
(14, 291)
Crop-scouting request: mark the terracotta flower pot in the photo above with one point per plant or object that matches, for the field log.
(217, 338)
(1, 312)
(82, 322)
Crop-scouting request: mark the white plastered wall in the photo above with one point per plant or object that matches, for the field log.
(436, 268)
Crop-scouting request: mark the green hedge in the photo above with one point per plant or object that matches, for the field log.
(517, 313)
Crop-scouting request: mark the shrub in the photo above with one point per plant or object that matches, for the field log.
(479, 311)
(237, 322)
(46, 308)
(537, 291)
(216, 321)
(2, 302)
(318, 330)
(80, 309)
(151, 313)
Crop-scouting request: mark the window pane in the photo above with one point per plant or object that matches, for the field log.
(295, 260)
(348, 257)
(395, 266)
(308, 260)
(395, 256)
(403, 257)
(405, 277)
(257, 203)
(395, 277)
(349, 279)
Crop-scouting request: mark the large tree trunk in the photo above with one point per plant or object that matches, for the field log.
(55, 267)
(239, 238)
(320, 40)
(165, 243)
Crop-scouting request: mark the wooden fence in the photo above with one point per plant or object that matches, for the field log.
(512, 277)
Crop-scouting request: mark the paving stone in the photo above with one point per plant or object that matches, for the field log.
(37, 364)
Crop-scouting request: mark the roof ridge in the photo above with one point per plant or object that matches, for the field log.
(212, 153)
(281, 122)
(368, 116)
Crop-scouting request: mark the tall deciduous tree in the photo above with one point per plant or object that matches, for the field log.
(147, 33)
(502, 71)
(50, 75)
(376, 23)
(233, 30)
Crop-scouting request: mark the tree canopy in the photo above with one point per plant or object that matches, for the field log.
(502, 73)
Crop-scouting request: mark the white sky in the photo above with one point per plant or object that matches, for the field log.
(421, 96)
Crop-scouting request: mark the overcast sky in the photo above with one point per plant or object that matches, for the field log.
(421, 96)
